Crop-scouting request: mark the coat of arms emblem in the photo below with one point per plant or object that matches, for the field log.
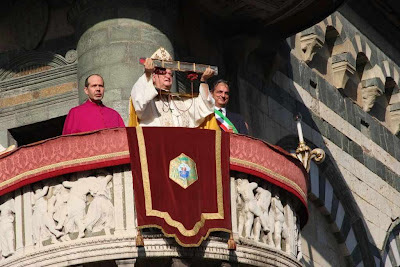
(182, 170)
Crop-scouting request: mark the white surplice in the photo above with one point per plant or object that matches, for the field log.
(174, 111)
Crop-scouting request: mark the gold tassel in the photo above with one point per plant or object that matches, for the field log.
(139, 239)
(231, 243)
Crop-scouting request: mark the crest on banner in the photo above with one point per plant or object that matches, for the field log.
(182, 170)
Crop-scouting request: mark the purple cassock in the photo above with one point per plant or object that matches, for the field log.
(90, 117)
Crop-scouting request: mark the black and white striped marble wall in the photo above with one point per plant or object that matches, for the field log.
(324, 194)
(391, 250)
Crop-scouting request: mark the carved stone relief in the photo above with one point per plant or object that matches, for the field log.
(62, 209)
(44, 226)
(56, 212)
(100, 214)
(7, 235)
(92, 193)
(261, 216)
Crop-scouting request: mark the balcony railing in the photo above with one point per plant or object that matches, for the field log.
(70, 200)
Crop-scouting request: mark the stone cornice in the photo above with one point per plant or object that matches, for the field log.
(38, 80)
(120, 247)
(35, 59)
(5, 113)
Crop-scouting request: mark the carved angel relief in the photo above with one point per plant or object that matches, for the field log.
(261, 216)
(44, 226)
(7, 235)
(75, 206)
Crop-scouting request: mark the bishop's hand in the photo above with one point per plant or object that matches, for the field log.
(207, 74)
(148, 67)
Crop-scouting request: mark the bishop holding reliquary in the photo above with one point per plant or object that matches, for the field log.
(152, 103)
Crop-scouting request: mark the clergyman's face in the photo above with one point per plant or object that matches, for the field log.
(162, 79)
(221, 95)
(95, 89)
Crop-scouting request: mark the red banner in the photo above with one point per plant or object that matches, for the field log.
(181, 181)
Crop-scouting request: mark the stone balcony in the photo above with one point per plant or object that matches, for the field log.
(70, 201)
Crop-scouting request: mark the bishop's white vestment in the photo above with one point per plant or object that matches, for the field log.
(153, 109)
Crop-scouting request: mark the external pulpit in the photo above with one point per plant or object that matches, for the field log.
(151, 196)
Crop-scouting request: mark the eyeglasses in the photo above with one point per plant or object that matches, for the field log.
(162, 71)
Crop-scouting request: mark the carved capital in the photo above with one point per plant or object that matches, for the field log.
(310, 44)
(343, 66)
(369, 95)
(311, 41)
(371, 89)
(265, 215)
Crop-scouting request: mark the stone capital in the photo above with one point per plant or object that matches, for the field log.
(311, 41)
(371, 89)
(343, 66)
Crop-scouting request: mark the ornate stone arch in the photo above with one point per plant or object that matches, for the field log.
(362, 45)
(371, 79)
(390, 250)
(329, 191)
(389, 69)
(35, 60)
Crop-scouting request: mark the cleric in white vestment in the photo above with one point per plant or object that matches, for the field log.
(156, 106)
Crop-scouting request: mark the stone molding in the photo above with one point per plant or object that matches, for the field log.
(41, 105)
(35, 59)
(123, 247)
(39, 80)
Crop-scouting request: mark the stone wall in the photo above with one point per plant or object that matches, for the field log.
(357, 189)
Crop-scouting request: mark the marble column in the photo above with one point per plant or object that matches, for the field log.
(113, 35)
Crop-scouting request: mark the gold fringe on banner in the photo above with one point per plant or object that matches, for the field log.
(139, 239)
(231, 243)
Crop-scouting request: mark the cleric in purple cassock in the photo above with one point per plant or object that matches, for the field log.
(92, 115)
